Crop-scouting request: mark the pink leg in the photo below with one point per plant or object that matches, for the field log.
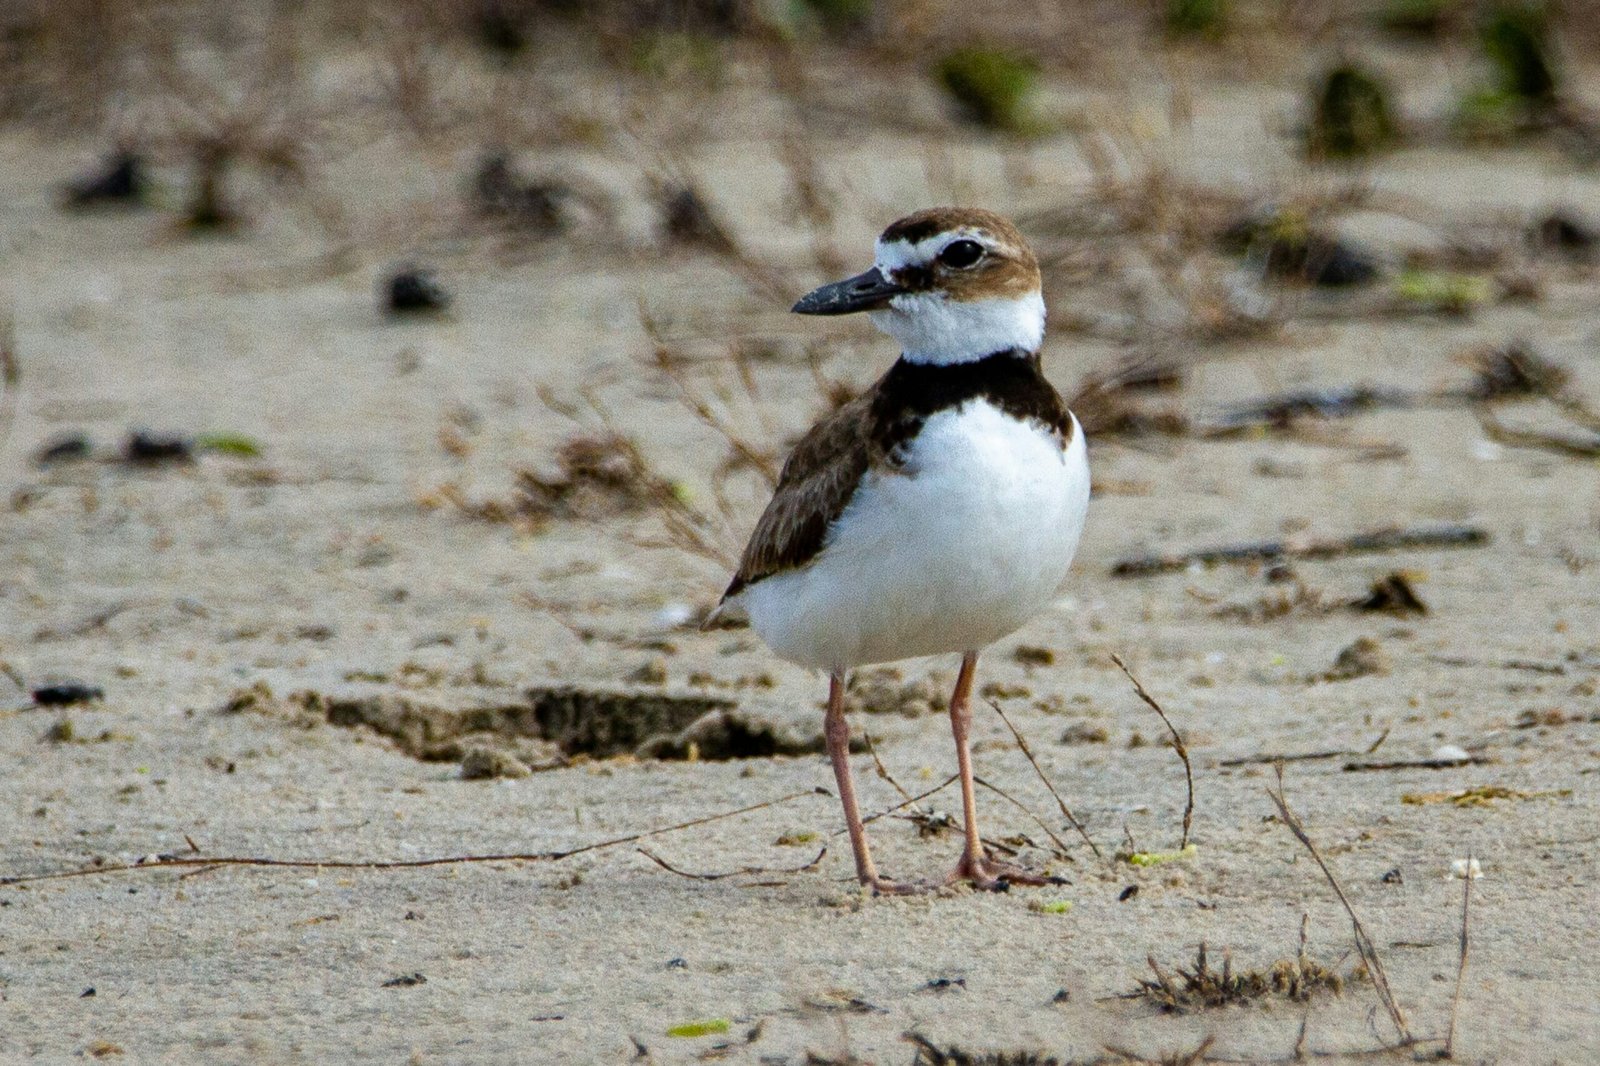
(836, 728)
(975, 866)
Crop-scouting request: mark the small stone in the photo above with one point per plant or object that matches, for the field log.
(412, 290)
(66, 694)
(1082, 733)
(1033, 655)
(481, 764)
(653, 672)
(143, 446)
(1363, 657)
(120, 180)
(66, 448)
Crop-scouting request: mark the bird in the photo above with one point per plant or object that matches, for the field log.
(938, 511)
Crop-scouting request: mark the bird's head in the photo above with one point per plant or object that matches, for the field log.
(951, 284)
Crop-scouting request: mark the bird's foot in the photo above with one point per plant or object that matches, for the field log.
(991, 875)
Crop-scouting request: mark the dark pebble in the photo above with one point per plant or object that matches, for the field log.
(66, 694)
(63, 449)
(119, 181)
(1564, 233)
(143, 446)
(413, 290)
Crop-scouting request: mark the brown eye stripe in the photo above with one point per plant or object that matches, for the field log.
(914, 278)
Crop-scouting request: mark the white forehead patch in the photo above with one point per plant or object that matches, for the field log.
(892, 255)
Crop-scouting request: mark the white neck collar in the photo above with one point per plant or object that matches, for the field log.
(938, 331)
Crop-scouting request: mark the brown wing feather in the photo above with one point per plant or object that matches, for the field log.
(816, 483)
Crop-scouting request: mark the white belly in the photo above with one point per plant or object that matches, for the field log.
(966, 544)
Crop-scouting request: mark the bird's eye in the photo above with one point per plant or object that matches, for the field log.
(961, 254)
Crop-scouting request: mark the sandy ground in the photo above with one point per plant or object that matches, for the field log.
(320, 567)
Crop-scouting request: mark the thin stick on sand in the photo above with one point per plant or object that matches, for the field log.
(1381, 540)
(910, 801)
(1461, 965)
(1364, 945)
(10, 377)
(1061, 845)
(883, 771)
(1177, 746)
(1066, 812)
(168, 862)
(671, 869)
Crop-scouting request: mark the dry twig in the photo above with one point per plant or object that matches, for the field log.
(1364, 945)
(911, 802)
(1061, 845)
(174, 861)
(667, 866)
(1461, 965)
(1061, 803)
(1177, 746)
(10, 377)
(1560, 443)
(1381, 540)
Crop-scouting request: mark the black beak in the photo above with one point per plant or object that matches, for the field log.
(864, 292)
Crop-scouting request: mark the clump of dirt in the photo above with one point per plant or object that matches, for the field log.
(1083, 733)
(1392, 594)
(1033, 655)
(1202, 988)
(729, 735)
(885, 691)
(601, 723)
(544, 729)
(597, 476)
(482, 764)
(1107, 404)
(1513, 370)
(1276, 603)
(688, 219)
(1363, 657)
(502, 194)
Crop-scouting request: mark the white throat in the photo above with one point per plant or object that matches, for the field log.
(934, 329)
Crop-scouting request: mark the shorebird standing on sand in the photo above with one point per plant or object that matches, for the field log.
(938, 511)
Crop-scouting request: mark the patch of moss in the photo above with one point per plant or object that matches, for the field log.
(1516, 40)
(1441, 291)
(700, 1027)
(992, 86)
(1157, 858)
(1053, 906)
(1196, 18)
(235, 444)
(1350, 115)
